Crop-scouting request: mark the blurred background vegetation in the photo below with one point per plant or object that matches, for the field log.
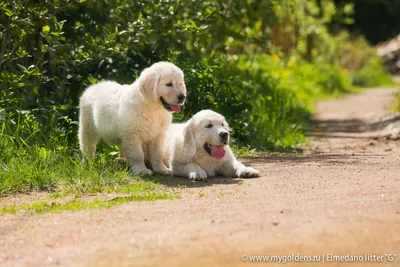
(260, 63)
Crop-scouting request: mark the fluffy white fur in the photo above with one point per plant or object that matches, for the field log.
(185, 152)
(132, 116)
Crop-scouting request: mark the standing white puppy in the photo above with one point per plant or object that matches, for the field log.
(135, 117)
(200, 148)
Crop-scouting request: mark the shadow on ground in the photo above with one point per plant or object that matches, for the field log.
(176, 181)
(348, 158)
(269, 160)
(349, 126)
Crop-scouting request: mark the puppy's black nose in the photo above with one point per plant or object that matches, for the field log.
(224, 135)
(181, 97)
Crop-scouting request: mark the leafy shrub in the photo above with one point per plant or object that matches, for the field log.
(351, 52)
(306, 80)
(372, 75)
(324, 79)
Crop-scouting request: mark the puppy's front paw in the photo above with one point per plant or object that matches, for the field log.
(122, 161)
(164, 170)
(200, 175)
(142, 171)
(248, 172)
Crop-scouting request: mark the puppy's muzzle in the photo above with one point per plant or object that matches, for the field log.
(224, 137)
(181, 98)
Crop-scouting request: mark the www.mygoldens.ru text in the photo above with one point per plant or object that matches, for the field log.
(325, 257)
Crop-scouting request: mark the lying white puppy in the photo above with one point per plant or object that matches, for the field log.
(135, 117)
(199, 148)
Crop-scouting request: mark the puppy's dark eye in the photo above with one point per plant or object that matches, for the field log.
(222, 125)
(169, 84)
(209, 125)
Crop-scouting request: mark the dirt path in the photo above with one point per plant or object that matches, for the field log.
(340, 197)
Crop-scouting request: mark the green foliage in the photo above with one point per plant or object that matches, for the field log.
(397, 105)
(276, 115)
(307, 81)
(302, 26)
(259, 107)
(304, 30)
(371, 75)
(54, 49)
(351, 52)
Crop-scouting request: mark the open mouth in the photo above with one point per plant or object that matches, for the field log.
(217, 152)
(170, 107)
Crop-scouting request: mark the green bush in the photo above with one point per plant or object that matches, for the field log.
(307, 81)
(372, 74)
(322, 80)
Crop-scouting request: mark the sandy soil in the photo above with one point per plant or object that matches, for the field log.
(342, 196)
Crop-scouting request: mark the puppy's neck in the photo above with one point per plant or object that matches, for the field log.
(136, 98)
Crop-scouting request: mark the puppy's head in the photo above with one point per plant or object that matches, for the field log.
(163, 83)
(206, 132)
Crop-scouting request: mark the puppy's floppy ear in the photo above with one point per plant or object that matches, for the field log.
(189, 144)
(227, 125)
(148, 85)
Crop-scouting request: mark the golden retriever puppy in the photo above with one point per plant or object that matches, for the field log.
(200, 148)
(135, 117)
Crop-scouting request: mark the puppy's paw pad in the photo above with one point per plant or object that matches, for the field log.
(198, 176)
(248, 172)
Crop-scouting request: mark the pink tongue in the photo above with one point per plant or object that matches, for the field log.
(217, 152)
(175, 108)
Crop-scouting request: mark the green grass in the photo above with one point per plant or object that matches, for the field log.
(35, 160)
(75, 205)
(397, 106)
(42, 169)
(62, 174)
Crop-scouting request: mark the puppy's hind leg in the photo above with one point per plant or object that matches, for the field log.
(88, 135)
